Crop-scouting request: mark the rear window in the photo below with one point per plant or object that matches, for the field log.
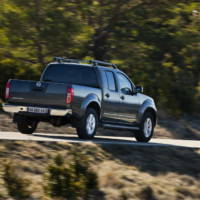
(68, 73)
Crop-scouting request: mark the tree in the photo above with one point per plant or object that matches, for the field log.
(36, 30)
(155, 42)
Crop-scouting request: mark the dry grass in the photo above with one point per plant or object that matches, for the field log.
(125, 172)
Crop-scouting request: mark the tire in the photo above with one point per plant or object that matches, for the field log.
(87, 127)
(27, 126)
(146, 128)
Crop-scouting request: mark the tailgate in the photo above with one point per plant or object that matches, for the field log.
(38, 93)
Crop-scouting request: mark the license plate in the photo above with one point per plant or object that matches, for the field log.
(38, 110)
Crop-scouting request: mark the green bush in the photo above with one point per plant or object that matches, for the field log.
(71, 179)
(15, 184)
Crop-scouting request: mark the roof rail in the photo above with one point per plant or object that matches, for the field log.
(93, 62)
(98, 62)
(60, 59)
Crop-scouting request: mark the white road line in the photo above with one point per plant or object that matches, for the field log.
(98, 139)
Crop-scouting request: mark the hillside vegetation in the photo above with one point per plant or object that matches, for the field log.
(123, 172)
(155, 42)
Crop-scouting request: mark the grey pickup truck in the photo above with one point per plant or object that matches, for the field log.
(83, 94)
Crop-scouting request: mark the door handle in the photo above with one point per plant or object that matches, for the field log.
(122, 97)
(107, 95)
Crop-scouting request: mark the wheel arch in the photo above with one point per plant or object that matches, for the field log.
(147, 106)
(91, 101)
(152, 112)
(96, 107)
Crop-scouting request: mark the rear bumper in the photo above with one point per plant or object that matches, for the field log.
(24, 109)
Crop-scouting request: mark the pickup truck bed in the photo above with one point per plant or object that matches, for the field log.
(48, 95)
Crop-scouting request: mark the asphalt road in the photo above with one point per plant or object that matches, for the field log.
(98, 140)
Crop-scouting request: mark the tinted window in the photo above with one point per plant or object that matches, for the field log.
(125, 84)
(68, 73)
(111, 81)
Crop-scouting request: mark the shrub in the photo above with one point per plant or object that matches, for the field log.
(14, 183)
(72, 179)
(147, 193)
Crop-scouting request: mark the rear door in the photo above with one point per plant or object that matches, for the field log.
(111, 99)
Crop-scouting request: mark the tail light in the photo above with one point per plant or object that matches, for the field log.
(70, 95)
(7, 92)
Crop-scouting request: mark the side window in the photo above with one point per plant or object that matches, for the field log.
(110, 80)
(124, 84)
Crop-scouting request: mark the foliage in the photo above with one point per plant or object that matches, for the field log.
(156, 42)
(71, 179)
(15, 184)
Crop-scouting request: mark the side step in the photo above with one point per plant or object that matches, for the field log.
(114, 126)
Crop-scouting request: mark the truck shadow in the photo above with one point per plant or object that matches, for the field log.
(157, 160)
(152, 158)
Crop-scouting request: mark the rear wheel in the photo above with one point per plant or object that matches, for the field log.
(27, 126)
(146, 128)
(87, 127)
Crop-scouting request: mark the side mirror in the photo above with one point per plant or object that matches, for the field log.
(138, 89)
